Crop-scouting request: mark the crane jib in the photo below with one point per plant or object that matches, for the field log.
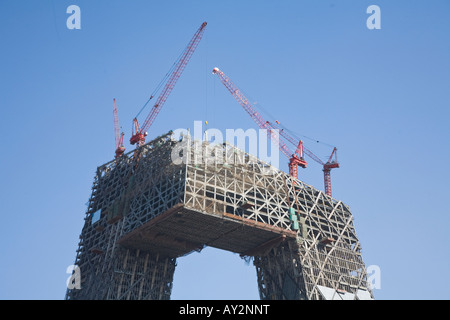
(296, 159)
(138, 136)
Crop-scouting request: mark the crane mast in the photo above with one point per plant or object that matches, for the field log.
(330, 164)
(327, 166)
(296, 158)
(140, 132)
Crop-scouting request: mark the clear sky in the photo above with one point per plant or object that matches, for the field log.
(381, 96)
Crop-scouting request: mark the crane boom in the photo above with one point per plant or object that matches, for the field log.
(254, 114)
(139, 133)
(289, 138)
(295, 158)
(120, 149)
(116, 123)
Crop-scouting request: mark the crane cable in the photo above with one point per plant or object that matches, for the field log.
(292, 133)
(164, 80)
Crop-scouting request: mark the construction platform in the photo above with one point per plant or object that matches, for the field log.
(172, 197)
(181, 230)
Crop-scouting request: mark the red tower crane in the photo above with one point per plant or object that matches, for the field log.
(140, 132)
(120, 149)
(296, 158)
(327, 166)
(330, 164)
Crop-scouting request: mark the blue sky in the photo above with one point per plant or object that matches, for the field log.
(380, 96)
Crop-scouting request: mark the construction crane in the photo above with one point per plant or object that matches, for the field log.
(332, 163)
(120, 149)
(140, 132)
(296, 159)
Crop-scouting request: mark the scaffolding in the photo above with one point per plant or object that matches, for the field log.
(169, 198)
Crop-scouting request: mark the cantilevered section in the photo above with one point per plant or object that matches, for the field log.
(180, 231)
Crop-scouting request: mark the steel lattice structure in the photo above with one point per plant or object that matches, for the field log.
(170, 198)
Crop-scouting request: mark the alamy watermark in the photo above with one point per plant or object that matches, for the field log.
(374, 21)
(374, 276)
(207, 146)
(74, 280)
(74, 20)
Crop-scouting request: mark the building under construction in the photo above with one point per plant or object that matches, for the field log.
(146, 210)
(168, 198)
